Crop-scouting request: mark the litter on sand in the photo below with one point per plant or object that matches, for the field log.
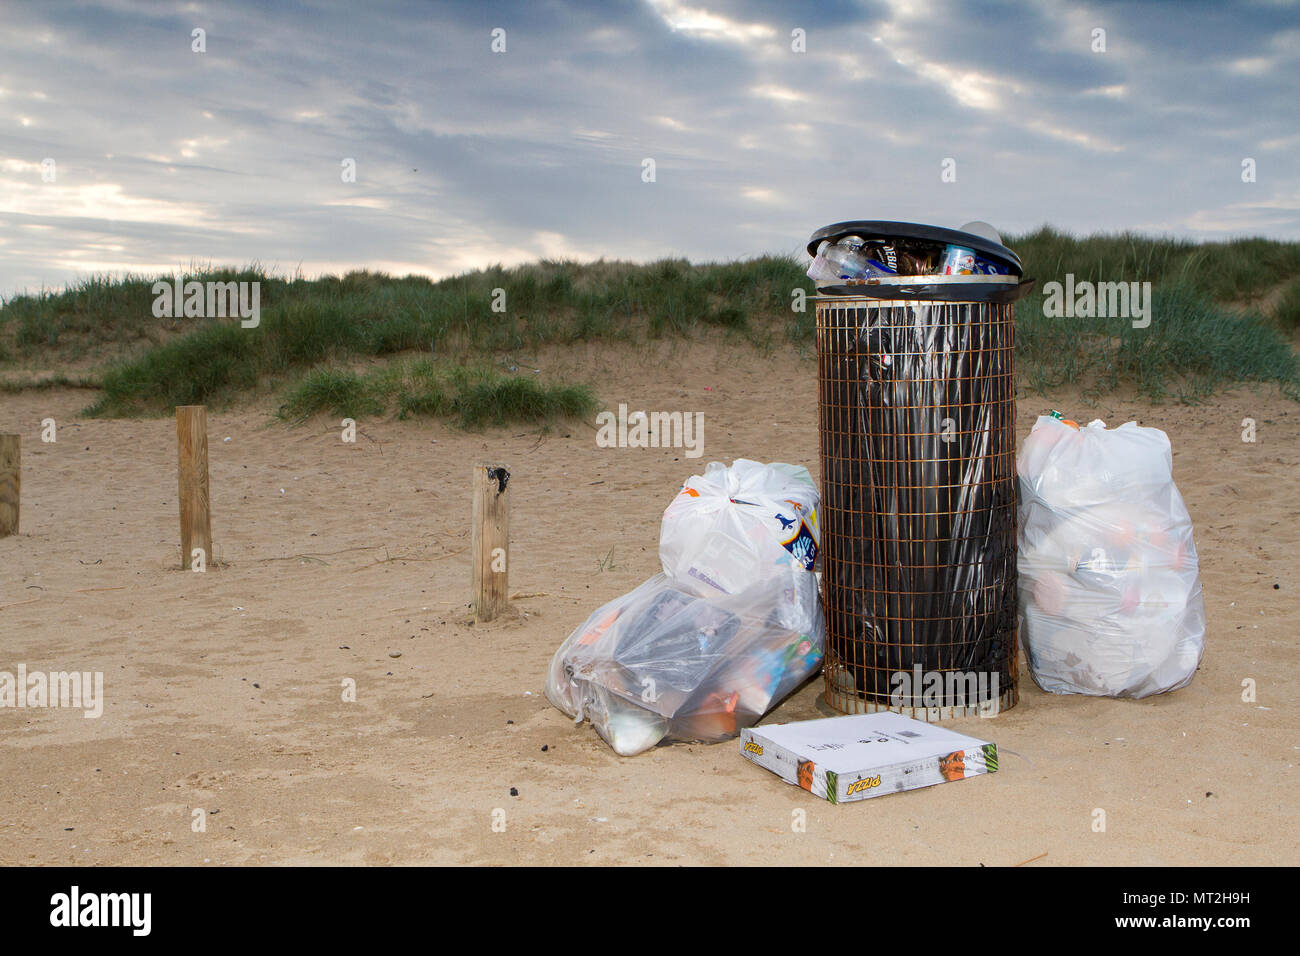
(843, 759)
(732, 625)
(1110, 595)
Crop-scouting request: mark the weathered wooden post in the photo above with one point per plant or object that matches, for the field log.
(490, 541)
(11, 480)
(192, 481)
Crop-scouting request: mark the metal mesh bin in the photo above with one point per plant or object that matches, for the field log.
(916, 398)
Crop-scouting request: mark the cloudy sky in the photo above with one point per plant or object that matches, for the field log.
(764, 120)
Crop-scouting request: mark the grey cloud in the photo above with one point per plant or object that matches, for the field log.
(467, 157)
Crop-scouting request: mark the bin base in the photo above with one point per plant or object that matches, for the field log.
(842, 697)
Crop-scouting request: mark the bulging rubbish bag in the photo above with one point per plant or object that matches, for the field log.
(1110, 594)
(663, 663)
(700, 656)
(731, 528)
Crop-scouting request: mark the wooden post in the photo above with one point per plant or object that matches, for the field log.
(490, 542)
(11, 481)
(192, 481)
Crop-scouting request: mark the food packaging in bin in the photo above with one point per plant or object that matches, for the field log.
(731, 626)
(912, 261)
(1110, 592)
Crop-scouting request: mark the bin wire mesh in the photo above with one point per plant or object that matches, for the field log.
(916, 403)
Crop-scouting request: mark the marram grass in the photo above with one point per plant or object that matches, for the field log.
(1223, 316)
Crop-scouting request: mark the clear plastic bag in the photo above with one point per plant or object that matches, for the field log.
(1110, 594)
(705, 650)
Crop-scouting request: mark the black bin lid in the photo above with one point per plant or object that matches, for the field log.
(880, 229)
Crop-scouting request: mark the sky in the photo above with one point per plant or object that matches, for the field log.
(486, 133)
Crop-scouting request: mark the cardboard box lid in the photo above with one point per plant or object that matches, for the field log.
(862, 741)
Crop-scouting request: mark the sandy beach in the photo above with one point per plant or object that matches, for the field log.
(223, 690)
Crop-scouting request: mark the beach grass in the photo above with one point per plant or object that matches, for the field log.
(473, 396)
(1223, 315)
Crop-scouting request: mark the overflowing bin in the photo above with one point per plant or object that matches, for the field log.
(916, 397)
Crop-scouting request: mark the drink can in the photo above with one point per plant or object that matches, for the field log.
(957, 261)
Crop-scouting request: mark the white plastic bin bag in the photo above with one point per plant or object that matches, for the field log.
(732, 626)
(1110, 597)
(731, 528)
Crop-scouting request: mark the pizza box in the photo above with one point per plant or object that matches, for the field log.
(866, 755)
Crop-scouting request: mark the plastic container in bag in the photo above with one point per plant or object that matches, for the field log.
(1110, 593)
